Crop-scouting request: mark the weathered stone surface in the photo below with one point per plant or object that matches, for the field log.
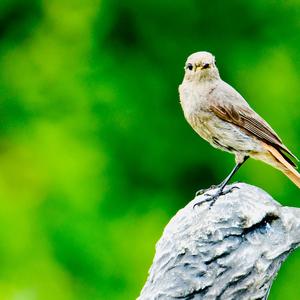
(231, 251)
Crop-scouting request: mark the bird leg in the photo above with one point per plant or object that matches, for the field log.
(212, 198)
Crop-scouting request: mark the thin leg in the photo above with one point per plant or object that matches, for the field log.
(235, 169)
(222, 185)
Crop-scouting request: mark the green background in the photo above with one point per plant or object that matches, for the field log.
(95, 154)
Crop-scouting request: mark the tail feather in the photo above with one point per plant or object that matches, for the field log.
(293, 177)
(284, 165)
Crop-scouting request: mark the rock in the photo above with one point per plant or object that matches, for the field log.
(232, 250)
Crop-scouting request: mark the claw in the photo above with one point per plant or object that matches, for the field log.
(200, 192)
(203, 191)
(213, 198)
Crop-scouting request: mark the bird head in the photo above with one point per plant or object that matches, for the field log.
(201, 66)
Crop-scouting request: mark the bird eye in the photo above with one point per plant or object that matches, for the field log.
(205, 66)
(189, 66)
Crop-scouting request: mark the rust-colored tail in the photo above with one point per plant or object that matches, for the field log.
(284, 166)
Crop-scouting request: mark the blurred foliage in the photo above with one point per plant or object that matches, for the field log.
(95, 155)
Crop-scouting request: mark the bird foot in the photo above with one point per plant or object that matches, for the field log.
(213, 198)
(212, 187)
(203, 191)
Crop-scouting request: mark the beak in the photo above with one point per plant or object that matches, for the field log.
(202, 66)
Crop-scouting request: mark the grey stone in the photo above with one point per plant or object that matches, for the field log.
(232, 250)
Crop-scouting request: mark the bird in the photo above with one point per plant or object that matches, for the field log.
(221, 116)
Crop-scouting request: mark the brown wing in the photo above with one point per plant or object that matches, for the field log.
(252, 123)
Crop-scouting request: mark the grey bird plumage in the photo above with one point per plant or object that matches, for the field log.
(220, 115)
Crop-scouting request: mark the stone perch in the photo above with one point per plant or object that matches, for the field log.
(231, 251)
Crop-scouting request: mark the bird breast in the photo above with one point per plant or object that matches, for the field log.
(195, 108)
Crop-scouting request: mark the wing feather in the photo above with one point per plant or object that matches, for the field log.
(247, 119)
